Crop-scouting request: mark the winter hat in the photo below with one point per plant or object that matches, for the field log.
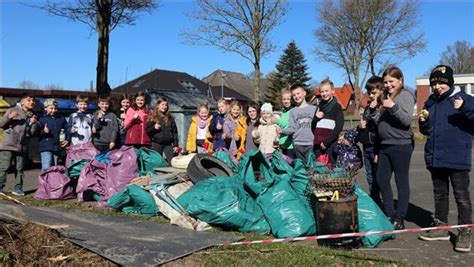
(50, 102)
(267, 107)
(442, 74)
(351, 135)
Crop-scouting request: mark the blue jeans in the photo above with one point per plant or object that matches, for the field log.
(371, 171)
(48, 159)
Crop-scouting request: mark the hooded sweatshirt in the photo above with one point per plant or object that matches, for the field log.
(394, 126)
(299, 125)
(107, 128)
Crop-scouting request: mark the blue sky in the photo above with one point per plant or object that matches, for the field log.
(52, 50)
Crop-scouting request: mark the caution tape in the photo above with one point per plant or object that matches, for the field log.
(358, 234)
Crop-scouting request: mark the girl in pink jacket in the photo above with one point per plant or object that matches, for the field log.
(135, 121)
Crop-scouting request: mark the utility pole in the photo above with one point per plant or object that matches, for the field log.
(222, 84)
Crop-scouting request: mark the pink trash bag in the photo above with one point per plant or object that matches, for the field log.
(54, 184)
(122, 168)
(81, 151)
(92, 178)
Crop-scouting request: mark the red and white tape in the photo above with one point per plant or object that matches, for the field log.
(358, 234)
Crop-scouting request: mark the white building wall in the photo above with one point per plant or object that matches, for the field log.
(463, 81)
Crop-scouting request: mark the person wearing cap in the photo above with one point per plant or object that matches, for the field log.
(447, 119)
(266, 134)
(18, 125)
(50, 126)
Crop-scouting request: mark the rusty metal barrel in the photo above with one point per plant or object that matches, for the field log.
(336, 217)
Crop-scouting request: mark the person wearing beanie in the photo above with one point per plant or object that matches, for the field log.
(448, 122)
(266, 135)
(50, 126)
(349, 155)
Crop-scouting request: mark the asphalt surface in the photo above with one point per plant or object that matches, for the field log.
(406, 247)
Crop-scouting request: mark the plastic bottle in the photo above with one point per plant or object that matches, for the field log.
(62, 136)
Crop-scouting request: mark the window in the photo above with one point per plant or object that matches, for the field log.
(138, 84)
(188, 85)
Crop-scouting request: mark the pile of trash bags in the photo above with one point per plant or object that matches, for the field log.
(261, 194)
(89, 175)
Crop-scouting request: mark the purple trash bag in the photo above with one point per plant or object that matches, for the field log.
(122, 168)
(81, 151)
(93, 177)
(54, 184)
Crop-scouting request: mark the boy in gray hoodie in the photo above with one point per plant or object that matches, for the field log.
(18, 125)
(104, 126)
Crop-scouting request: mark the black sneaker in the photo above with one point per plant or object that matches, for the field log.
(434, 235)
(398, 224)
(463, 242)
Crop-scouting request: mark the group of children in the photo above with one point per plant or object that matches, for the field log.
(298, 129)
(292, 131)
(384, 131)
(136, 125)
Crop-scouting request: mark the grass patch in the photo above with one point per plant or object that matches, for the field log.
(278, 254)
(288, 254)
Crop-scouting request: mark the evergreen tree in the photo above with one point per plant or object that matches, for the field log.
(291, 69)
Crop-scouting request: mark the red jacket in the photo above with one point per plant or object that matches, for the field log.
(136, 128)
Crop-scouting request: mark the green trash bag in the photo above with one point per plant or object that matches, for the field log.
(371, 218)
(148, 160)
(134, 199)
(224, 156)
(315, 166)
(221, 201)
(74, 168)
(286, 211)
(300, 180)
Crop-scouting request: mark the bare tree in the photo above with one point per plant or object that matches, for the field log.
(238, 26)
(362, 36)
(101, 16)
(26, 84)
(53, 86)
(460, 56)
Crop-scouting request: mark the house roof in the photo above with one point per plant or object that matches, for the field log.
(5, 91)
(181, 100)
(228, 92)
(164, 80)
(364, 101)
(343, 94)
(235, 81)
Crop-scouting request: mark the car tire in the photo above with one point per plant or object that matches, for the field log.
(203, 166)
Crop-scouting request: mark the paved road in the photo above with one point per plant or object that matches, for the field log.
(406, 247)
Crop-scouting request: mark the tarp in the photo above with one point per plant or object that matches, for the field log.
(123, 240)
(67, 104)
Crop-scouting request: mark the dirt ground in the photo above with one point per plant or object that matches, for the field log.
(32, 244)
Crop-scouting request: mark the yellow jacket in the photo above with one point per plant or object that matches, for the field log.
(192, 135)
(240, 133)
